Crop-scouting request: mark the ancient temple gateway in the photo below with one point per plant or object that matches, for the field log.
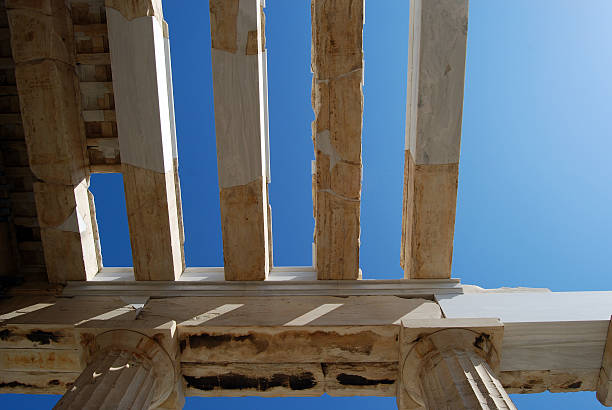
(86, 87)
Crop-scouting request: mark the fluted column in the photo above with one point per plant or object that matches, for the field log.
(128, 371)
(114, 380)
(461, 379)
(453, 369)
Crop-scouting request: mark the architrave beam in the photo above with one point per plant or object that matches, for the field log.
(260, 339)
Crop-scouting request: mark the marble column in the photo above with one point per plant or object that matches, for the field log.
(127, 371)
(461, 379)
(453, 369)
(115, 379)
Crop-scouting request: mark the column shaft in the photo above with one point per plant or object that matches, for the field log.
(461, 379)
(115, 379)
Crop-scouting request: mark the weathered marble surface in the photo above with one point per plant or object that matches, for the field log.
(145, 123)
(337, 100)
(436, 71)
(43, 47)
(241, 126)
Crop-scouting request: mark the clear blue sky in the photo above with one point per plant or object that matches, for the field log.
(534, 183)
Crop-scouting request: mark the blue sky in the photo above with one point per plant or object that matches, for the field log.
(534, 182)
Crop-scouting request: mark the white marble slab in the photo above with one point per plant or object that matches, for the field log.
(140, 85)
(530, 307)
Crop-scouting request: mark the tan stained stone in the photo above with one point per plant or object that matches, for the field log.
(223, 25)
(37, 36)
(242, 230)
(131, 9)
(337, 37)
(337, 100)
(430, 197)
(48, 91)
(555, 381)
(66, 231)
(153, 222)
(337, 237)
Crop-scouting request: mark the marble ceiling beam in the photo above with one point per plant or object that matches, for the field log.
(436, 71)
(241, 125)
